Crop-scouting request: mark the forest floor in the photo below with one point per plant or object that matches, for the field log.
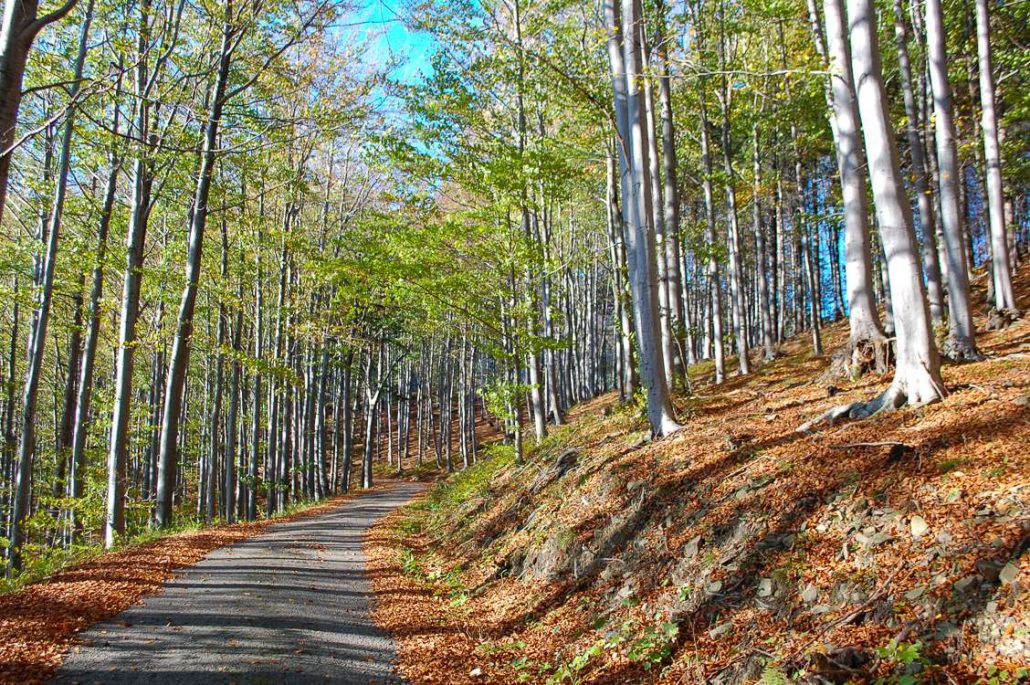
(281, 600)
(892, 549)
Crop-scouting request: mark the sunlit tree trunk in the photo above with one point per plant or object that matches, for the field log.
(917, 378)
(167, 458)
(630, 120)
(764, 306)
(139, 217)
(924, 195)
(961, 343)
(12, 48)
(715, 307)
(1004, 297)
(671, 191)
(864, 324)
(662, 238)
(737, 310)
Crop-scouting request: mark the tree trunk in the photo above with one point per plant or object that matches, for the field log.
(961, 343)
(733, 229)
(671, 194)
(14, 47)
(917, 378)
(863, 321)
(627, 377)
(633, 133)
(1004, 297)
(713, 261)
(924, 195)
(89, 352)
(665, 285)
(184, 330)
(765, 313)
(143, 180)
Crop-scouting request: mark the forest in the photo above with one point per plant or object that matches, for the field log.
(577, 267)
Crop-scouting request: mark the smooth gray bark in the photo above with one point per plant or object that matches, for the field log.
(917, 378)
(924, 195)
(630, 120)
(736, 276)
(671, 191)
(665, 284)
(1004, 296)
(765, 310)
(864, 323)
(178, 364)
(712, 260)
(961, 343)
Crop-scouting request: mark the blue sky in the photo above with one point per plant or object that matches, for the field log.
(391, 38)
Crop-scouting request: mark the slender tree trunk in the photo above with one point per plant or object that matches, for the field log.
(321, 481)
(230, 456)
(255, 448)
(83, 403)
(924, 195)
(658, 218)
(11, 47)
(765, 313)
(63, 444)
(143, 180)
(961, 343)
(863, 321)
(618, 257)
(626, 68)
(733, 229)
(713, 261)
(348, 422)
(1004, 297)
(808, 262)
(671, 191)
(184, 331)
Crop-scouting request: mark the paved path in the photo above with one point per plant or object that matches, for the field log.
(288, 606)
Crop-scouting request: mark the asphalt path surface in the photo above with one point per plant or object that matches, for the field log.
(288, 606)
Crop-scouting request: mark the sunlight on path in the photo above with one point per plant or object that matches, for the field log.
(291, 605)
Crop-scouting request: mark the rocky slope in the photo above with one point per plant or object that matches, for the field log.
(738, 549)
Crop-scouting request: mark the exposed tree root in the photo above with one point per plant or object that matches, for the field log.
(891, 399)
(959, 351)
(861, 356)
(1000, 319)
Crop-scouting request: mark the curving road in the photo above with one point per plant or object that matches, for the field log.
(288, 606)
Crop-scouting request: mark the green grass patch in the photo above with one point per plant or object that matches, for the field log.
(949, 464)
(470, 483)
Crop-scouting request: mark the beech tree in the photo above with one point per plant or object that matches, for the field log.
(863, 320)
(1004, 299)
(917, 378)
(624, 36)
(961, 343)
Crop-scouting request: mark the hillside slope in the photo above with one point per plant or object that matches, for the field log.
(737, 549)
